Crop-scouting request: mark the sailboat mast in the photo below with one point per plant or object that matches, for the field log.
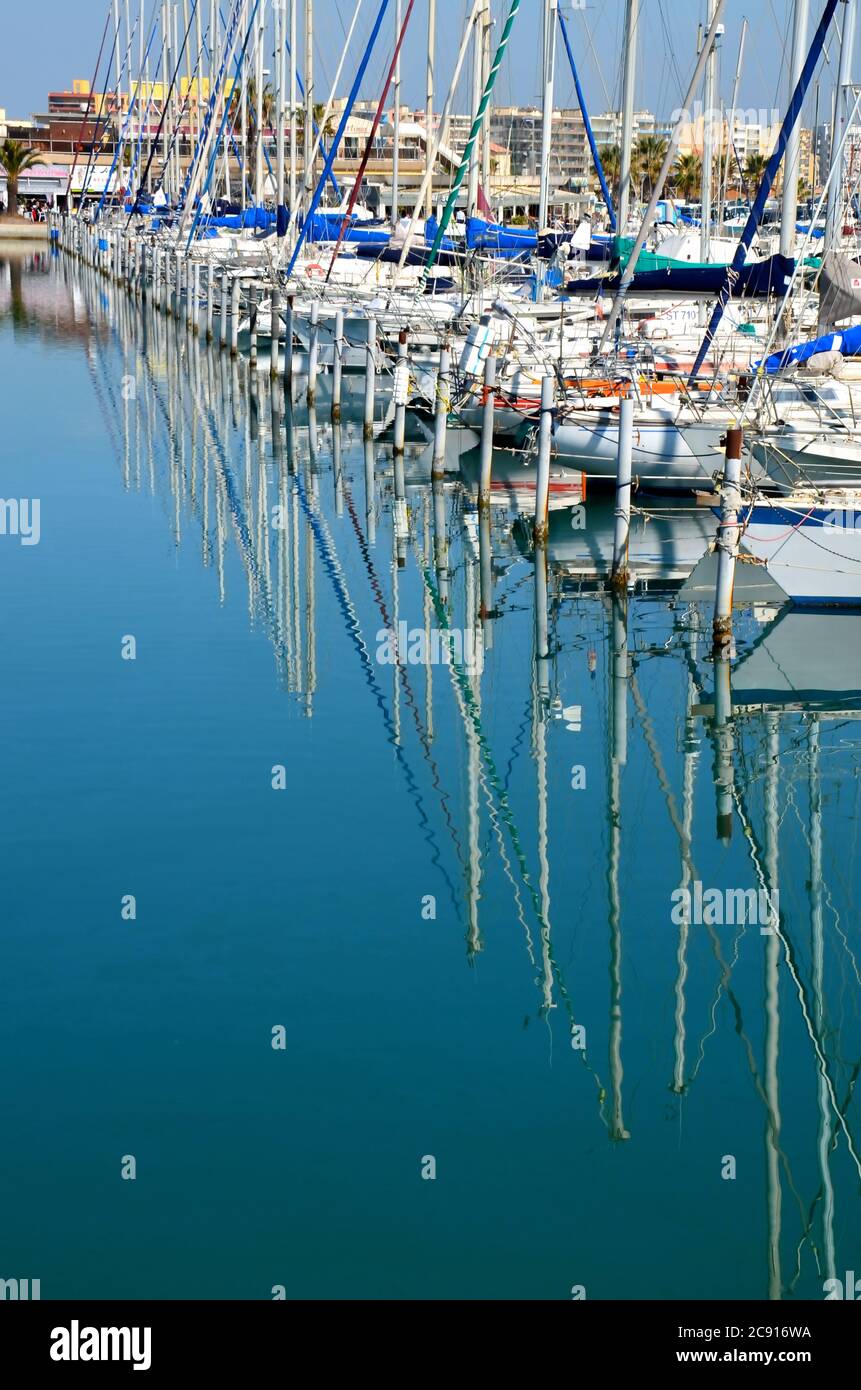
(278, 21)
(632, 15)
(309, 91)
(792, 158)
(485, 73)
(166, 77)
(834, 214)
(550, 7)
(117, 61)
(472, 178)
(396, 127)
(429, 136)
(258, 115)
(293, 4)
(708, 144)
(730, 124)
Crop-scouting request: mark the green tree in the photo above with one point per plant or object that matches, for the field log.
(754, 168)
(687, 174)
(649, 155)
(16, 158)
(611, 159)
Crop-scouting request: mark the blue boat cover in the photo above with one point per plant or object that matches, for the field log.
(848, 342)
(757, 280)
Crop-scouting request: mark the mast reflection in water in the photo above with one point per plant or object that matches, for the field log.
(450, 883)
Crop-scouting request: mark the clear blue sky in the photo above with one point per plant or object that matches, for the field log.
(48, 42)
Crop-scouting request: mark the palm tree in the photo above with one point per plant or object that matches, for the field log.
(16, 158)
(754, 168)
(611, 160)
(687, 174)
(319, 111)
(648, 158)
(251, 105)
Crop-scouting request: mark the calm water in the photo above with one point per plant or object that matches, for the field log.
(434, 907)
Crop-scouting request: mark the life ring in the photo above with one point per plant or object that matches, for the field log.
(315, 270)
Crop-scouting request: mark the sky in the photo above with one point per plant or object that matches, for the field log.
(48, 43)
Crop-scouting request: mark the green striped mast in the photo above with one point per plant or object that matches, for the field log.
(473, 136)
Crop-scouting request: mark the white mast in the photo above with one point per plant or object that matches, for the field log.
(309, 89)
(258, 86)
(198, 116)
(550, 7)
(708, 143)
(165, 87)
(730, 125)
(243, 118)
(129, 51)
(472, 180)
(485, 74)
(429, 140)
(177, 167)
(632, 15)
(791, 160)
(396, 128)
(117, 63)
(293, 108)
(834, 219)
(278, 20)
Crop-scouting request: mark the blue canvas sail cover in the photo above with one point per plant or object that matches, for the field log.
(756, 280)
(847, 343)
(258, 218)
(431, 228)
(326, 226)
(492, 236)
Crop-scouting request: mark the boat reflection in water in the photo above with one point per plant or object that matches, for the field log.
(561, 793)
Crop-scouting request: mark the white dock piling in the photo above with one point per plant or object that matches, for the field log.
(236, 289)
(485, 575)
(337, 363)
(729, 533)
(443, 401)
(223, 307)
(177, 284)
(401, 391)
(254, 312)
(274, 331)
(194, 298)
(440, 537)
(724, 744)
(487, 434)
(313, 349)
(210, 296)
(619, 577)
(370, 491)
(542, 483)
(288, 350)
(370, 377)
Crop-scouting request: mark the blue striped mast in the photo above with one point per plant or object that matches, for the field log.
(590, 136)
(217, 141)
(470, 144)
(755, 217)
(330, 158)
